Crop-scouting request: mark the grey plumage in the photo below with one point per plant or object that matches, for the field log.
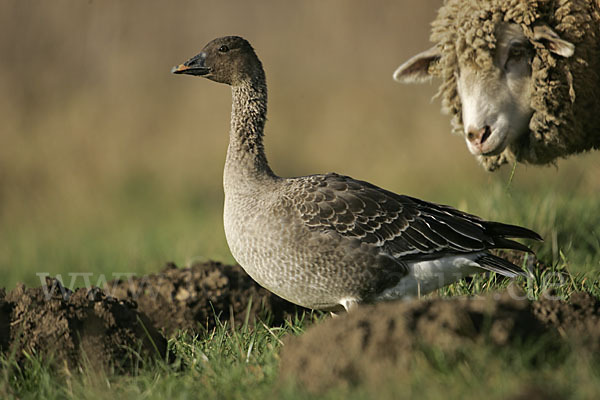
(329, 241)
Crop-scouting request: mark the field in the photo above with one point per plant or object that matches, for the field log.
(110, 165)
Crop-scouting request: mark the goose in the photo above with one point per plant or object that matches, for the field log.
(328, 241)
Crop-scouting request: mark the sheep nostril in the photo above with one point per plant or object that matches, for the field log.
(478, 136)
(474, 135)
(486, 132)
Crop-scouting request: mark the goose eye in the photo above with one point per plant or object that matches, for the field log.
(224, 49)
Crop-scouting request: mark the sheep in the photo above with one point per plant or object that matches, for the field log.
(520, 77)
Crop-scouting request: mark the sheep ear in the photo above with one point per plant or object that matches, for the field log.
(417, 68)
(543, 33)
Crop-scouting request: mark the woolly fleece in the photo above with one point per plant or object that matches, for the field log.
(566, 94)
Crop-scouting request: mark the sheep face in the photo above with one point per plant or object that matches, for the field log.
(495, 95)
(496, 103)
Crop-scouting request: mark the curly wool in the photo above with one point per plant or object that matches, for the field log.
(565, 99)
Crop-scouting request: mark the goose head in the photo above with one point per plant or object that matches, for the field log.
(229, 59)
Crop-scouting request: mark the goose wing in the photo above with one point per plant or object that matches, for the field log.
(404, 227)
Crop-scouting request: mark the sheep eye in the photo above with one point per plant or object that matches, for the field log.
(517, 51)
(224, 49)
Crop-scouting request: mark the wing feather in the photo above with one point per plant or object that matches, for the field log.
(404, 227)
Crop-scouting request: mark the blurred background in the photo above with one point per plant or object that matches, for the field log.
(109, 163)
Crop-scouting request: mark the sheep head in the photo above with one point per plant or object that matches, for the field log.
(494, 89)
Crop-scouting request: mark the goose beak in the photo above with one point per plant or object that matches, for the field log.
(194, 66)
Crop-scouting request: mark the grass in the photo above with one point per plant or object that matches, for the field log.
(139, 231)
(136, 224)
(242, 363)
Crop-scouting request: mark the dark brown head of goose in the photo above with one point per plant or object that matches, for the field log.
(228, 59)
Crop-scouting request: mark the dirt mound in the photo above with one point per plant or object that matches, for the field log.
(102, 326)
(537, 392)
(189, 298)
(85, 326)
(578, 319)
(363, 346)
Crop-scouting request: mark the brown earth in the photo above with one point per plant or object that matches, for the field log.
(578, 319)
(81, 327)
(538, 392)
(100, 326)
(197, 297)
(364, 346)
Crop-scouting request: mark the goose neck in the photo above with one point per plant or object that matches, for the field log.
(246, 154)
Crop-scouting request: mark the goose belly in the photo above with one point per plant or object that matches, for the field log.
(426, 276)
(284, 258)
